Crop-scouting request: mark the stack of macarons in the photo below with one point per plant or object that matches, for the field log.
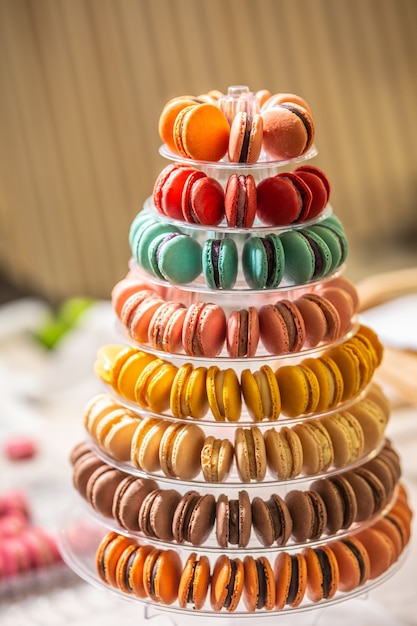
(259, 582)
(237, 127)
(26, 548)
(240, 414)
(185, 450)
(267, 260)
(186, 194)
(321, 316)
(326, 507)
(336, 376)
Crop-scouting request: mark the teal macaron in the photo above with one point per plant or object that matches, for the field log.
(145, 236)
(263, 261)
(220, 263)
(333, 241)
(175, 257)
(299, 257)
(334, 224)
(138, 221)
(322, 253)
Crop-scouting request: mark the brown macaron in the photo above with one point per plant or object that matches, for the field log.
(363, 494)
(226, 583)
(128, 499)
(233, 520)
(271, 520)
(194, 518)
(194, 582)
(82, 470)
(340, 502)
(309, 515)
(101, 487)
(259, 584)
(156, 513)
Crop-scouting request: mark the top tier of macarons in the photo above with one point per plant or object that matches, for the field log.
(238, 127)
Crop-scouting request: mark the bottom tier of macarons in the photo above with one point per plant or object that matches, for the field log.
(240, 582)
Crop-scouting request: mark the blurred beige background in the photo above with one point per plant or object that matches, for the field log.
(82, 83)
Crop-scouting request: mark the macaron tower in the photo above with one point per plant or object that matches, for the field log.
(236, 461)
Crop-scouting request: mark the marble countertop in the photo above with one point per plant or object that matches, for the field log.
(43, 394)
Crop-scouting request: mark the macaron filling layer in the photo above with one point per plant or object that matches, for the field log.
(190, 597)
(128, 567)
(231, 585)
(326, 571)
(261, 573)
(358, 557)
(245, 145)
(293, 586)
(241, 201)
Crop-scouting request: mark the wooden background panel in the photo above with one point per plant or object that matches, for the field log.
(82, 83)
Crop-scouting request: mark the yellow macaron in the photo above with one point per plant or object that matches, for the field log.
(224, 394)
(261, 393)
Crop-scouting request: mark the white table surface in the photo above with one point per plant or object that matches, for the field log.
(43, 394)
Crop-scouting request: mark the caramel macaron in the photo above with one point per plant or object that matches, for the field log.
(180, 450)
(318, 453)
(250, 454)
(145, 444)
(284, 452)
(216, 459)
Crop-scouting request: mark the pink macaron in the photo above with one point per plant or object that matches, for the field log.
(240, 200)
(242, 336)
(204, 329)
(165, 327)
(282, 327)
(20, 447)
